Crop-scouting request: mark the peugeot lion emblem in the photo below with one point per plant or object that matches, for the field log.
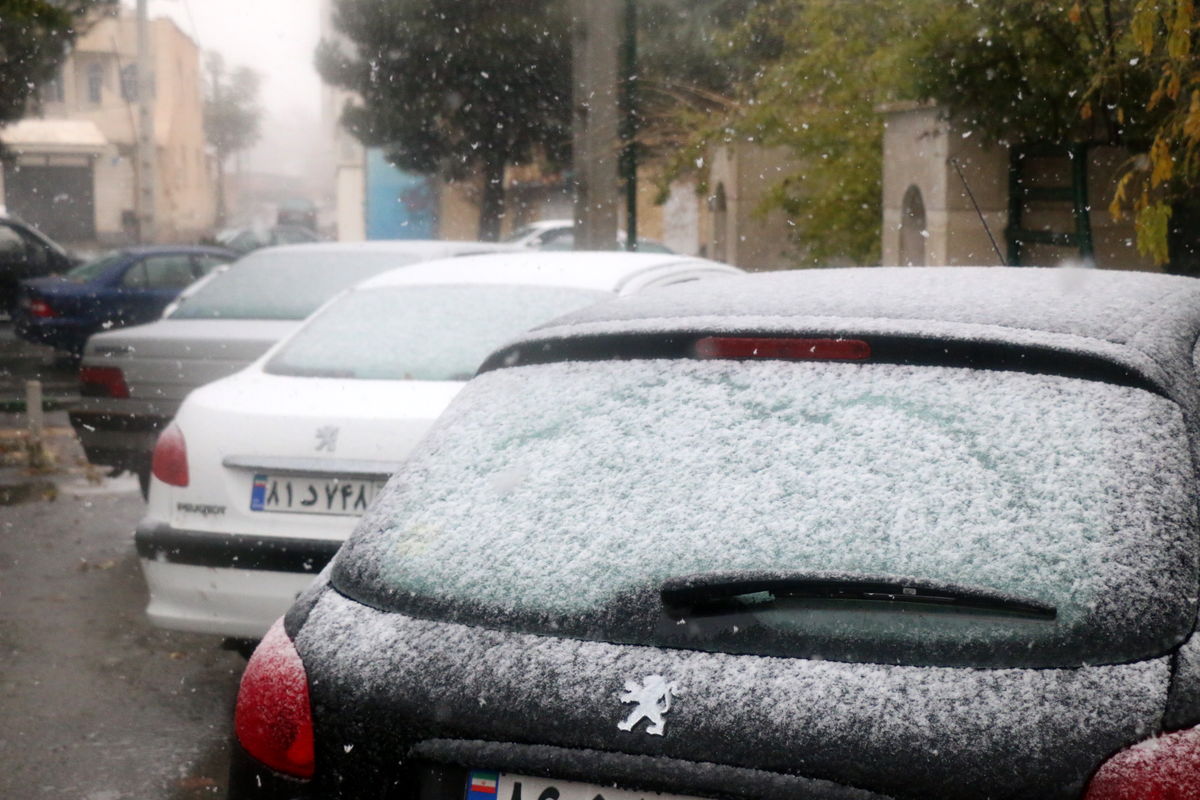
(653, 699)
(327, 438)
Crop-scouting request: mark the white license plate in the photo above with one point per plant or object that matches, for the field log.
(312, 495)
(486, 785)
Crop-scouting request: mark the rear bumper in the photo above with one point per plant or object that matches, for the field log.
(61, 334)
(124, 441)
(228, 584)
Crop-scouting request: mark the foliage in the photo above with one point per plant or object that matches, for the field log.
(232, 114)
(453, 87)
(822, 69)
(687, 62)
(34, 39)
(1161, 34)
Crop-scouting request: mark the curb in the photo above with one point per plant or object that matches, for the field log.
(49, 404)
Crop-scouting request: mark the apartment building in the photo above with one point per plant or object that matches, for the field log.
(75, 174)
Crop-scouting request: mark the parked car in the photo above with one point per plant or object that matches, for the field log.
(293, 449)
(873, 533)
(25, 252)
(252, 237)
(133, 380)
(126, 287)
(559, 234)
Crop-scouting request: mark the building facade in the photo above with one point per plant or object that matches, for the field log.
(74, 173)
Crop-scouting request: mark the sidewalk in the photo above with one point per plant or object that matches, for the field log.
(29, 473)
(22, 361)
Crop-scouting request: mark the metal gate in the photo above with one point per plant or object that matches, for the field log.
(57, 196)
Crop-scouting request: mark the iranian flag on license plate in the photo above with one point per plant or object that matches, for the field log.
(482, 785)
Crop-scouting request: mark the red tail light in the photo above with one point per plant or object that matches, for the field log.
(1164, 768)
(41, 309)
(801, 349)
(273, 720)
(102, 382)
(169, 463)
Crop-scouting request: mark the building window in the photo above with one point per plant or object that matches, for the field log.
(720, 222)
(52, 90)
(913, 231)
(129, 82)
(95, 83)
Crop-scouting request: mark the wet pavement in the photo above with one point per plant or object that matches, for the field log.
(96, 703)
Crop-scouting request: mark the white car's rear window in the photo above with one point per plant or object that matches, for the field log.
(283, 284)
(559, 498)
(430, 333)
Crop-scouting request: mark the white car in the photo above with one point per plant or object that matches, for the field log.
(559, 234)
(132, 380)
(263, 474)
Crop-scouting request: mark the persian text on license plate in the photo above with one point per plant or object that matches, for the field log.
(487, 785)
(312, 495)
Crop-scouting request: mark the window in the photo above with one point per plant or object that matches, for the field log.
(95, 82)
(207, 263)
(52, 90)
(129, 82)
(168, 272)
(912, 229)
(11, 243)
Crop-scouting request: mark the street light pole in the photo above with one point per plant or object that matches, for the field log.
(596, 40)
(144, 174)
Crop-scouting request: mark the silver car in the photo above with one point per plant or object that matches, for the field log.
(133, 380)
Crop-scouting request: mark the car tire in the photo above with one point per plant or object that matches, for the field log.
(243, 647)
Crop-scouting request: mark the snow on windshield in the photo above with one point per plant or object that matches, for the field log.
(1070, 492)
(283, 284)
(431, 333)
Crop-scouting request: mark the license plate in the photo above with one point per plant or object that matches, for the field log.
(487, 785)
(340, 496)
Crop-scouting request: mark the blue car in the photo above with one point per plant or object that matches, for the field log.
(125, 287)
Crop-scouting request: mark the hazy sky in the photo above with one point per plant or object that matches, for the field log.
(276, 38)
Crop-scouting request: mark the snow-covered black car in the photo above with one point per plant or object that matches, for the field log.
(876, 533)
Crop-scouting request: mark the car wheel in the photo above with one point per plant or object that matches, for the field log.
(243, 647)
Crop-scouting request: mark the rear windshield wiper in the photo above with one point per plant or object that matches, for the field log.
(714, 591)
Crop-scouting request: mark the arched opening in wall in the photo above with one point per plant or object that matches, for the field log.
(912, 229)
(720, 221)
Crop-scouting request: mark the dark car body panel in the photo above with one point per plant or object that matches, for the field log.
(30, 255)
(105, 302)
(405, 696)
(862, 726)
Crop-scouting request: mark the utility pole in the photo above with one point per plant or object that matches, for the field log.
(145, 173)
(597, 45)
(629, 124)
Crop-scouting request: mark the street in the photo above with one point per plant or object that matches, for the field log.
(97, 705)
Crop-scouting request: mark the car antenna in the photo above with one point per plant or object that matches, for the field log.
(982, 221)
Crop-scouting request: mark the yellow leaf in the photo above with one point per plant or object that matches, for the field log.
(1162, 163)
(1174, 87)
(1151, 225)
(1143, 24)
(1086, 111)
(1075, 14)
(1191, 123)
(1115, 208)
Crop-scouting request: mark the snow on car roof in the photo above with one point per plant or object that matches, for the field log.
(1148, 322)
(605, 271)
(426, 247)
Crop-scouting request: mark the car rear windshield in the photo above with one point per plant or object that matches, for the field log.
(283, 284)
(427, 333)
(562, 499)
